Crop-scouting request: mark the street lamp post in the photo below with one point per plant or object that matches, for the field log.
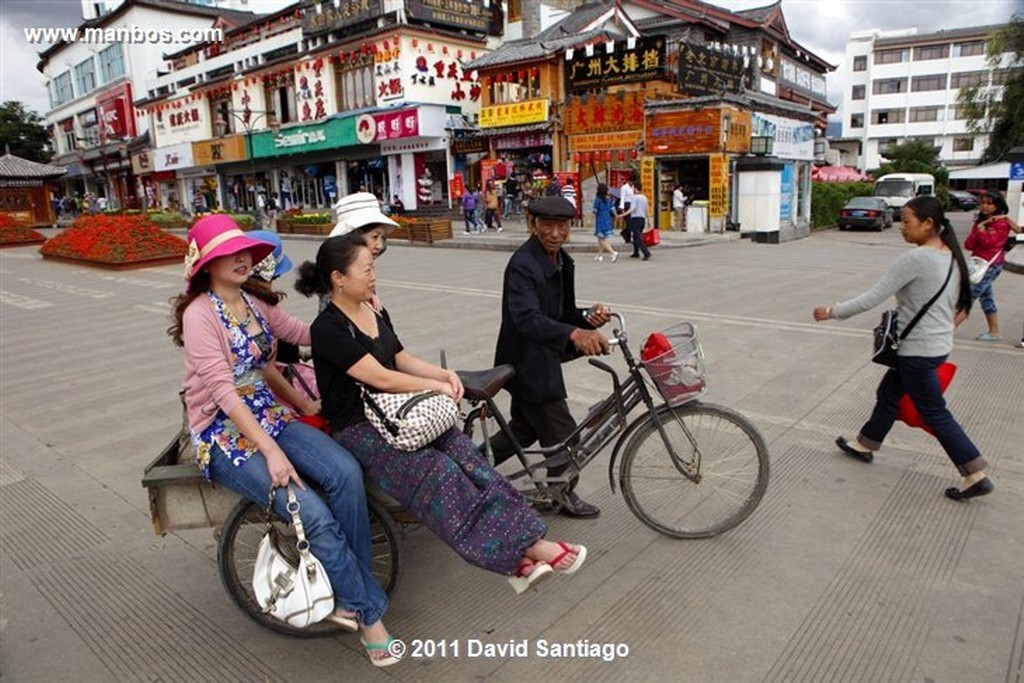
(248, 118)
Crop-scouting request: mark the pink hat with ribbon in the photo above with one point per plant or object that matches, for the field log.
(219, 235)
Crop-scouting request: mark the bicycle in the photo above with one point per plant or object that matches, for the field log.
(689, 469)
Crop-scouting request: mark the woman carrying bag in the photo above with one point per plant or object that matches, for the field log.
(985, 241)
(937, 265)
(447, 485)
(247, 442)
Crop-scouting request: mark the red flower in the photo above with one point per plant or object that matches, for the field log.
(114, 239)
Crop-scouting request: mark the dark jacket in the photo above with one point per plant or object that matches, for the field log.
(538, 313)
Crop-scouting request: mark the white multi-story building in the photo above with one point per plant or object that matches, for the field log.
(902, 85)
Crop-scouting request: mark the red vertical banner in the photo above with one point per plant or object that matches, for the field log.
(456, 186)
(574, 176)
(487, 171)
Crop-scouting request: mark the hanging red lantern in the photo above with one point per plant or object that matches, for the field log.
(576, 157)
(632, 154)
(608, 155)
(622, 155)
(586, 157)
(394, 40)
(415, 42)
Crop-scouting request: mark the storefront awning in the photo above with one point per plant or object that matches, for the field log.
(542, 127)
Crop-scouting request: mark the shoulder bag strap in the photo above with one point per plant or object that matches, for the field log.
(924, 309)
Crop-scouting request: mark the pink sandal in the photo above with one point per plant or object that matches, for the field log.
(581, 555)
(522, 581)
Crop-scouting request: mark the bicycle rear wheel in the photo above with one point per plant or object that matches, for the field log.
(719, 447)
(236, 556)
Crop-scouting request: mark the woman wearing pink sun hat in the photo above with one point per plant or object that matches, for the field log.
(246, 441)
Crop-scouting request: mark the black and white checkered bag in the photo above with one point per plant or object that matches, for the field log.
(410, 421)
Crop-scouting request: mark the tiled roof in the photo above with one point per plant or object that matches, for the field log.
(748, 99)
(575, 22)
(16, 167)
(530, 49)
(759, 14)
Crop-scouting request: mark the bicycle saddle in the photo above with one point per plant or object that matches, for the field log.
(482, 385)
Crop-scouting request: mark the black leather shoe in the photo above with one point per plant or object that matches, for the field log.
(845, 447)
(981, 488)
(576, 507)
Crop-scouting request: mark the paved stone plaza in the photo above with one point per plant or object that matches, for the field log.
(846, 572)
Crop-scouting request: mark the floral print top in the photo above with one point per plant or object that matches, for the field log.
(249, 354)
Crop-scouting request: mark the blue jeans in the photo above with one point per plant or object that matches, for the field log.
(915, 376)
(983, 290)
(338, 530)
(470, 217)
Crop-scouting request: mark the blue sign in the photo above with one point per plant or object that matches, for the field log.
(1017, 170)
(786, 190)
(331, 186)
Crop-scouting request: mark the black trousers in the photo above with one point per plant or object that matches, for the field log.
(636, 228)
(549, 423)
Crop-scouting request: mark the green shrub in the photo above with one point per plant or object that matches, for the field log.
(167, 219)
(311, 218)
(827, 199)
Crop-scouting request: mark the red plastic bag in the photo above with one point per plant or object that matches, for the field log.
(652, 237)
(657, 343)
(908, 411)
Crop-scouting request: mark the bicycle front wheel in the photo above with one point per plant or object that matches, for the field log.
(721, 451)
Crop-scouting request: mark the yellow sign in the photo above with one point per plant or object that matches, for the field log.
(515, 113)
(600, 142)
(647, 179)
(219, 150)
(718, 185)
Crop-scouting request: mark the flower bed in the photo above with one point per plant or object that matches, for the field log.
(115, 241)
(421, 229)
(305, 223)
(14, 235)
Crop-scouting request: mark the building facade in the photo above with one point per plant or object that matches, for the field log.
(903, 86)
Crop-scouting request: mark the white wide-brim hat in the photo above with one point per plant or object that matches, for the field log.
(356, 211)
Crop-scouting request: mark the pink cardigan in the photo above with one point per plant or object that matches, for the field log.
(209, 381)
(988, 243)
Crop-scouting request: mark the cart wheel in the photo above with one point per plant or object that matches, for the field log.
(236, 556)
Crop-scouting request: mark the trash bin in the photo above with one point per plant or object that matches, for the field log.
(697, 216)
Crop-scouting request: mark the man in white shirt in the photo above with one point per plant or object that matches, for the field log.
(625, 204)
(679, 206)
(639, 215)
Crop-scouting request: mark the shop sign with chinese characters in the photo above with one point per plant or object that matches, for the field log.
(718, 185)
(522, 141)
(647, 177)
(793, 139)
(318, 16)
(604, 114)
(331, 134)
(684, 132)
(469, 145)
(601, 142)
(392, 125)
(219, 151)
(173, 157)
(644, 61)
(516, 114)
(473, 15)
(706, 71)
(311, 96)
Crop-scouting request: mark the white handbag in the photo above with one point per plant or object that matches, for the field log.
(410, 421)
(977, 267)
(299, 595)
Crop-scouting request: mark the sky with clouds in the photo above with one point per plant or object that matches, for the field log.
(821, 26)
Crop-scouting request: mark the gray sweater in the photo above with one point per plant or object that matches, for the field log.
(914, 278)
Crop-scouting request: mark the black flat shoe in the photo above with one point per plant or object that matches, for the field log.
(845, 447)
(575, 507)
(981, 488)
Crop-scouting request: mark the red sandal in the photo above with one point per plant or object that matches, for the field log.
(581, 555)
(522, 581)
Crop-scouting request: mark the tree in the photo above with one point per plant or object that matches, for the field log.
(23, 132)
(1000, 115)
(913, 156)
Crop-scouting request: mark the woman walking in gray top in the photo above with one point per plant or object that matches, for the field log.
(914, 279)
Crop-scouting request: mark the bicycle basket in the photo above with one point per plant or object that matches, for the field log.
(678, 372)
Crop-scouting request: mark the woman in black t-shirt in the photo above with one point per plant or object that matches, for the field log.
(448, 485)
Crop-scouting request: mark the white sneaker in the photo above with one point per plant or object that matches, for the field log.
(599, 257)
(615, 256)
(500, 229)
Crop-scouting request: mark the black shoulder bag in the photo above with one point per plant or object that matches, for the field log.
(887, 335)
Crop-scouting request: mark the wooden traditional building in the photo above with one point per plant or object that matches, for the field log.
(26, 190)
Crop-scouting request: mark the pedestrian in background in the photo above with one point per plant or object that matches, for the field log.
(639, 216)
(469, 211)
(986, 241)
(679, 206)
(937, 265)
(604, 213)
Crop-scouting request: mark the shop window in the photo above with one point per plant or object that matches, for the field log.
(89, 128)
(515, 10)
(67, 129)
(931, 52)
(967, 79)
(971, 49)
(860, 63)
(354, 87)
(858, 92)
(1000, 76)
(856, 120)
(963, 144)
(885, 143)
(888, 86)
(112, 62)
